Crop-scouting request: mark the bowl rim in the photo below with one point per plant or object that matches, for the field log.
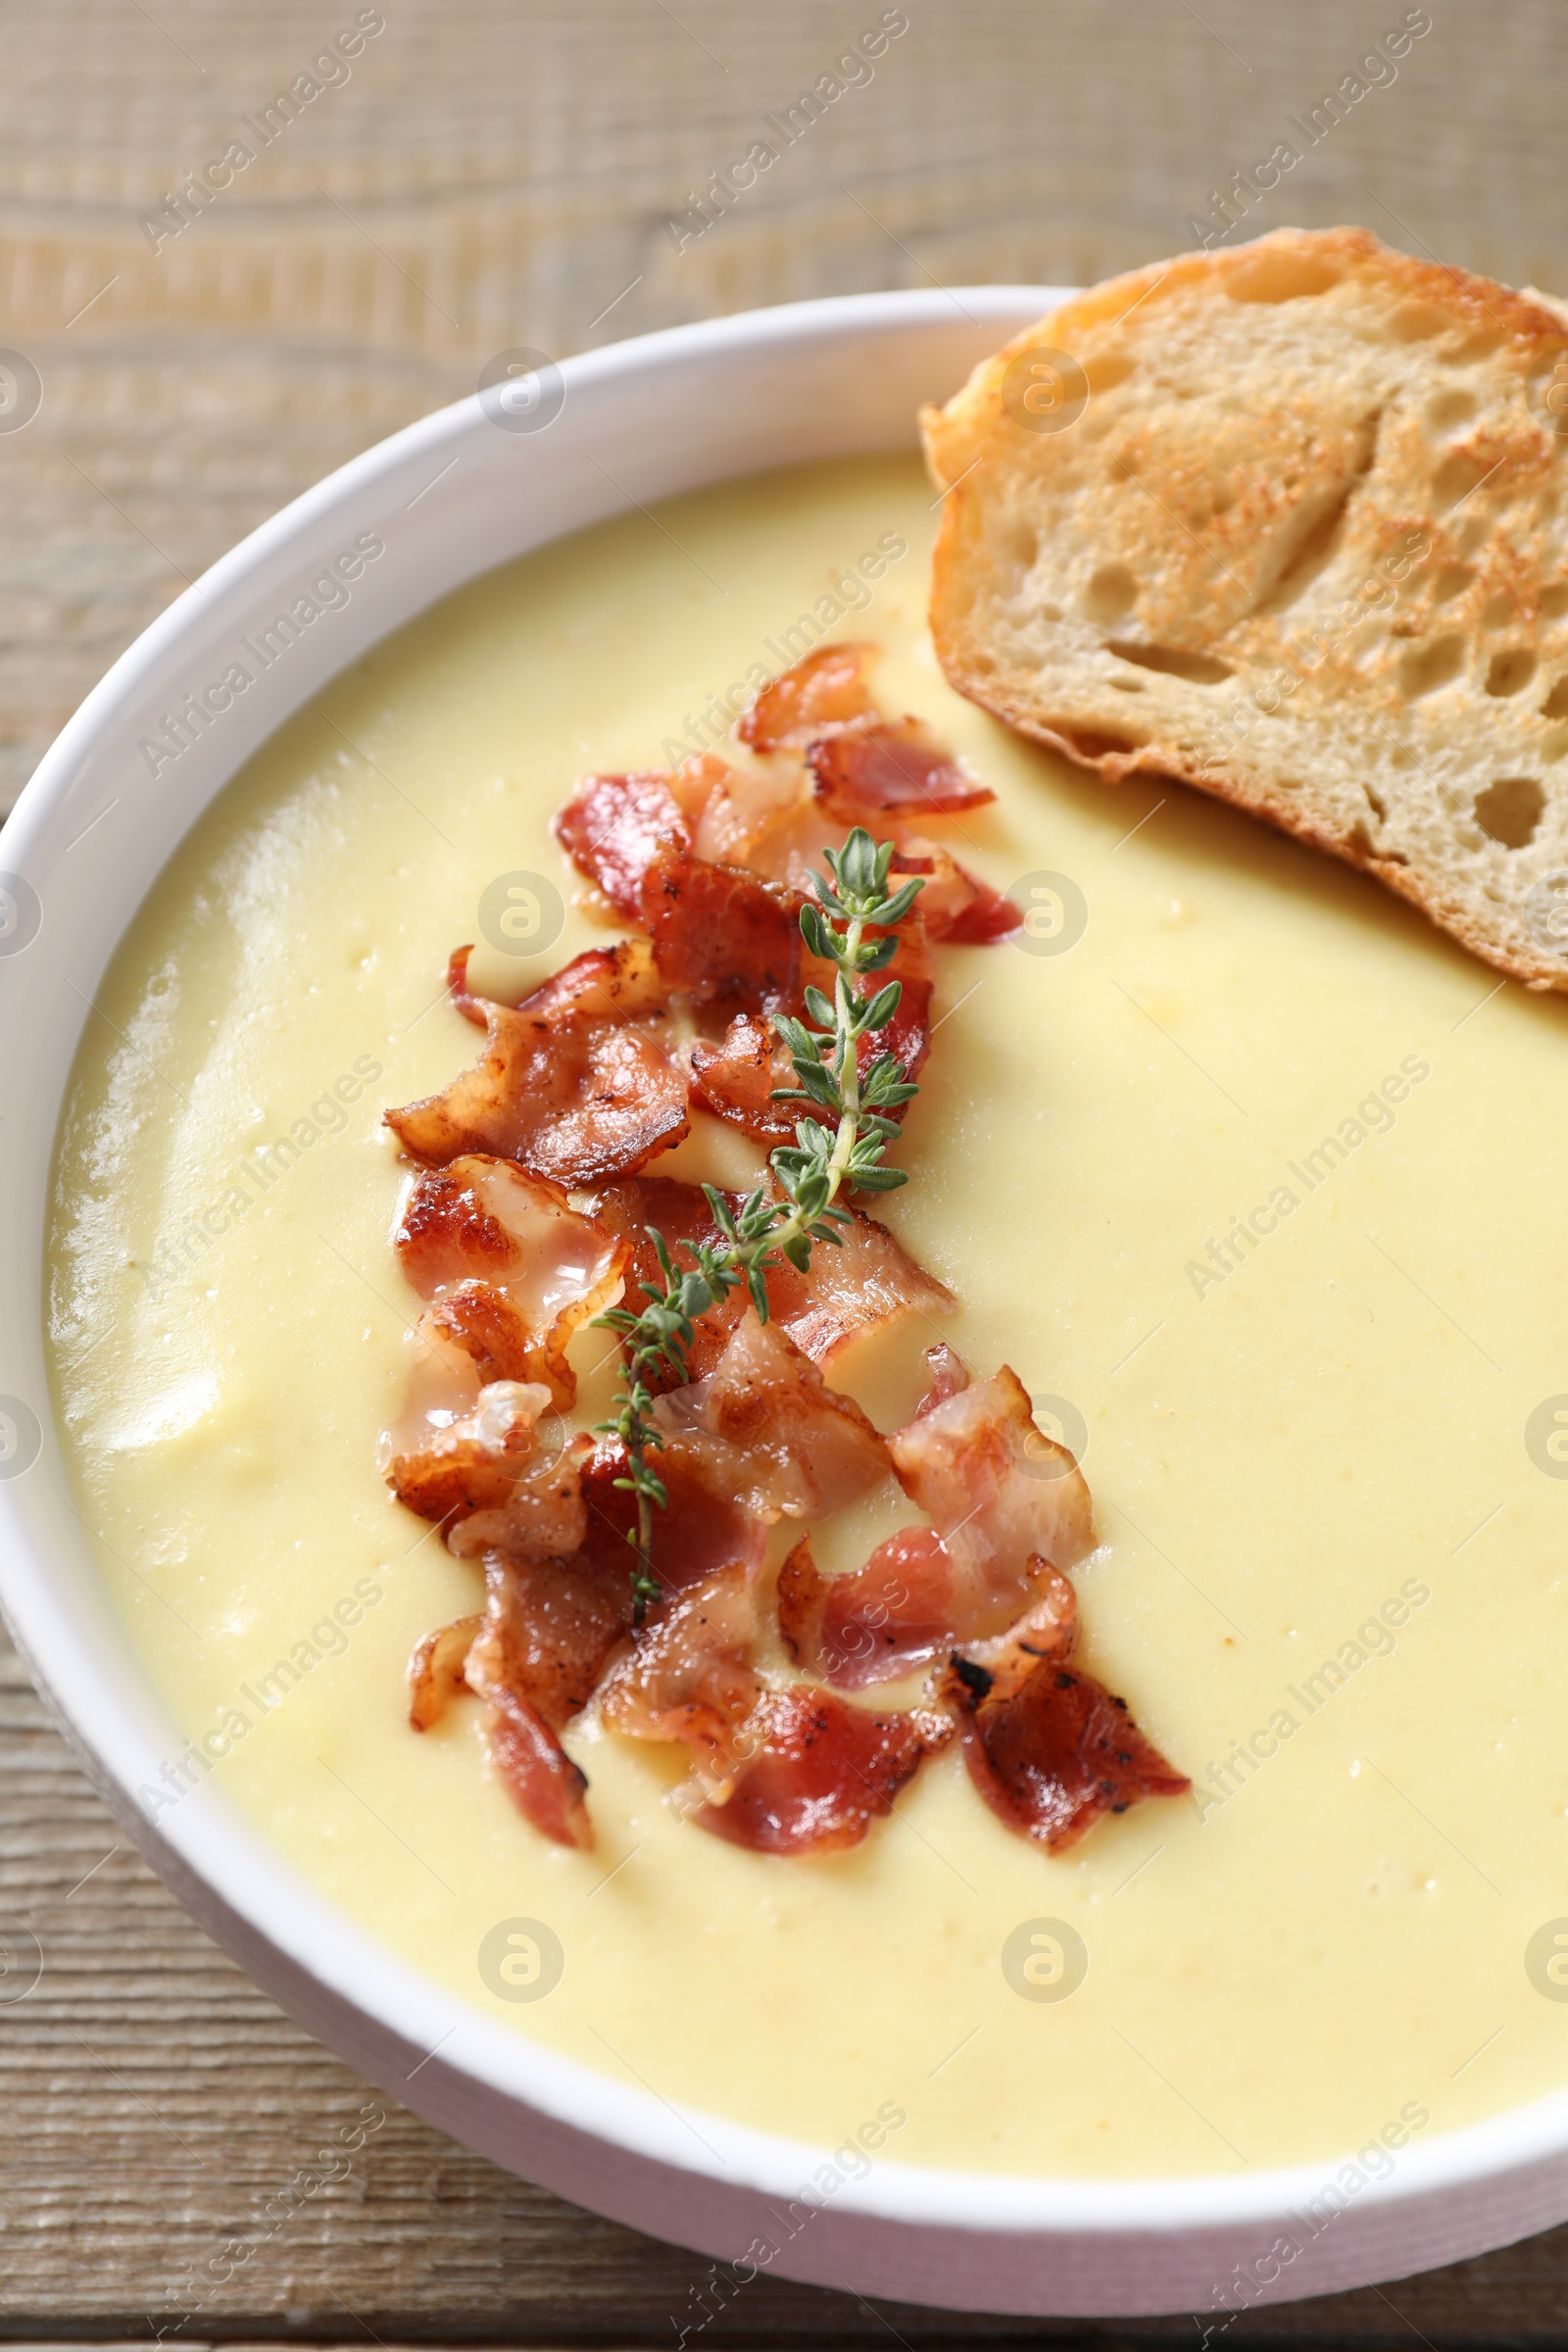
(211, 1840)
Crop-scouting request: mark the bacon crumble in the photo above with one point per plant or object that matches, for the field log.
(766, 1428)
(999, 1492)
(874, 772)
(826, 688)
(689, 1677)
(513, 1271)
(579, 1087)
(886, 1618)
(1049, 1747)
(818, 1772)
(850, 1289)
(581, 1082)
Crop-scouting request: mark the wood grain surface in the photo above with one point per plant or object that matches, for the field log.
(492, 176)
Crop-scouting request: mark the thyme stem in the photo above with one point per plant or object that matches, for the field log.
(768, 1230)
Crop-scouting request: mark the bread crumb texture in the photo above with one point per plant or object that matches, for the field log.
(1289, 523)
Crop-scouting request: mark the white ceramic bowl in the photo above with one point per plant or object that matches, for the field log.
(452, 497)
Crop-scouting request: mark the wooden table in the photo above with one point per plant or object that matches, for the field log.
(495, 175)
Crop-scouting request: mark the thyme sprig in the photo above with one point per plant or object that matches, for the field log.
(844, 1129)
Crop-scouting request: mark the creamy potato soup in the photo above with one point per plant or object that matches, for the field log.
(1253, 1178)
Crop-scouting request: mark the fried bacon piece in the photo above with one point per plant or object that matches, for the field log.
(950, 1373)
(436, 1671)
(578, 1082)
(512, 1270)
(864, 1282)
(766, 1428)
(700, 1530)
(816, 1772)
(1001, 1493)
(535, 1657)
(791, 851)
(736, 1078)
(959, 909)
(887, 1618)
(548, 1629)
(542, 1516)
(1049, 1748)
(825, 689)
(720, 934)
(956, 908)
(730, 809)
(844, 765)
(612, 827)
(867, 1281)
(680, 1212)
(868, 773)
(477, 1456)
(689, 1677)
(548, 1788)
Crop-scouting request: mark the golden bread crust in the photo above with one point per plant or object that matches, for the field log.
(1289, 524)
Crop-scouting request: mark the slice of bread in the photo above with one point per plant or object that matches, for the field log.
(1289, 522)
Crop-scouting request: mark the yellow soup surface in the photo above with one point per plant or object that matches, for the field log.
(1253, 1178)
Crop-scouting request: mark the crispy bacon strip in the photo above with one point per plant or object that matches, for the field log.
(612, 827)
(1049, 1748)
(908, 1035)
(959, 909)
(548, 1788)
(888, 1617)
(578, 1082)
(680, 1212)
(720, 934)
(825, 689)
(542, 1516)
(436, 1671)
(871, 772)
(736, 1078)
(700, 1529)
(790, 851)
(950, 1373)
(477, 1457)
(867, 1281)
(513, 1269)
(767, 1429)
(689, 1677)
(818, 1772)
(548, 1629)
(1001, 1493)
(729, 809)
